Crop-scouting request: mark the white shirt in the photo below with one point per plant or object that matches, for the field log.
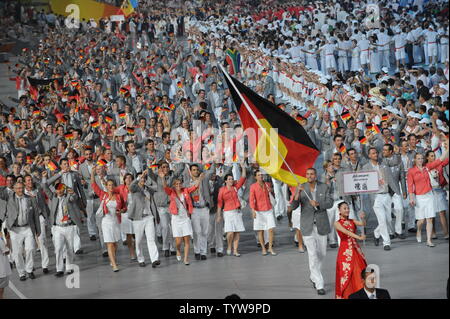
(370, 294)
(22, 218)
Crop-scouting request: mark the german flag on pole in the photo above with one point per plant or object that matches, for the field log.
(52, 166)
(285, 155)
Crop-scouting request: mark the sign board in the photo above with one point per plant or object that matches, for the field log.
(352, 183)
(117, 17)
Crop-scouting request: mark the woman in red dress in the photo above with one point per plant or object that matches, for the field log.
(350, 258)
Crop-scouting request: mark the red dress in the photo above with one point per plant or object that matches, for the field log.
(349, 264)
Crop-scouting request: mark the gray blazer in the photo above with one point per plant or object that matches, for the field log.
(77, 186)
(397, 176)
(70, 201)
(309, 213)
(139, 202)
(12, 212)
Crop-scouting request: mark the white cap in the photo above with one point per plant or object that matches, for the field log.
(417, 116)
(439, 122)
(443, 128)
(425, 121)
(410, 114)
(385, 69)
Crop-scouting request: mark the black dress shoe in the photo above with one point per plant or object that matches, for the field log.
(203, 257)
(376, 241)
(155, 263)
(267, 246)
(387, 247)
(31, 275)
(105, 254)
(403, 226)
(59, 274)
(93, 238)
(79, 252)
(64, 260)
(23, 278)
(166, 253)
(279, 217)
(412, 230)
(160, 239)
(333, 245)
(173, 253)
(219, 254)
(391, 236)
(296, 243)
(142, 264)
(213, 250)
(69, 272)
(258, 245)
(321, 292)
(197, 256)
(401, 236)
(45, 270)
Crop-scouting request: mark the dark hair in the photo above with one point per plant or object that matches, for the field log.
(342, 203)
(371, 148)
(227, 175)
(364, 272)
(336, 136)
(62, 160)
(127, 144)
(391, 148)
(193, 165)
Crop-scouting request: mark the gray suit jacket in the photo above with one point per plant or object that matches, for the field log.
(77, 186)
(12, 212)
(69, 201)
(325, 200)
(397, 176)
(139, 202)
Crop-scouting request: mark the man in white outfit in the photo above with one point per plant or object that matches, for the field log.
(315, 198)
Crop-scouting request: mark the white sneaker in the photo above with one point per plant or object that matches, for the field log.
(179, 258)
(229, 252)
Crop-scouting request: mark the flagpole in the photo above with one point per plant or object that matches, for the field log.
(260, 126)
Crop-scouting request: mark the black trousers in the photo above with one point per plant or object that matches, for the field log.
(409, 52)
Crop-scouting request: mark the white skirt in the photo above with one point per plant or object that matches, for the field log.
(440, 200)
(126, 226)
(111, 229)
(181, 226)
(4, 282)
(296, 218)
(233, 221)
(264, 220)
(425, 206)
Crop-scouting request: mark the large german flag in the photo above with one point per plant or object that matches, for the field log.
(295, 149)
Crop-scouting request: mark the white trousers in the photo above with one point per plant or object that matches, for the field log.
(166, 228)
(215, 233)
(98, 221)
(76, 239)
(280, 190)
(63, 238)
(19, 236)
(317, 249)
(43, 242)
(397, 200)
(145, 226)
(382, 208)
(444, 52)
(90, 211)
(342, 63)
(200, 225)
(384, 59)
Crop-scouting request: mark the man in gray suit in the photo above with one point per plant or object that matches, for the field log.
(315, 198)
(64, 218)
(380, 202)
(22, 221)
(143, 213)
(202, 202)
(395, 164)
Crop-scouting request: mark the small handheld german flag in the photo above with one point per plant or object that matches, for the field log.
(108, 119)
(68, 136)
(385, 117)
(334, 124)
(179, 84)
(52, 166)
(376, 129)
(157, 109)
(342, 149)
(101, 162)
(122, 115)
(153, 166)
(235, 157)
(29, 159)
(172, 107)
(95, 124)
(60, 186)
(16, 121)
(207, 166)
(6, 129)
(130, 130)
(346, 116)
(363, 140)
(36, 113)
